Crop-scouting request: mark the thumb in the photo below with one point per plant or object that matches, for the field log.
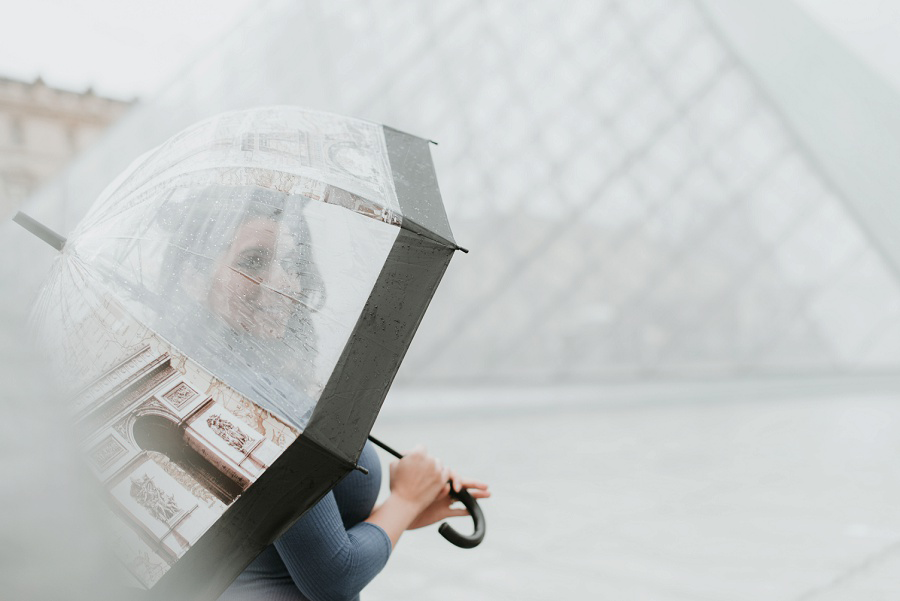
(418, 449)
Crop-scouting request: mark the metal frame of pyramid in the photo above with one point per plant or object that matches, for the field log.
(650, 192)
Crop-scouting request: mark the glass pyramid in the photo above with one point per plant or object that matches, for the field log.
(636, 204)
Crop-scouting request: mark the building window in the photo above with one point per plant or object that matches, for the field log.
(19, 185)
(72, 139)
(16, 132)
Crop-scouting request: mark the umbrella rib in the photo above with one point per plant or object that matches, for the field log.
(144, 193)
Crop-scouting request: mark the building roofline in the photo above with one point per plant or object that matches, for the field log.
(87, 93)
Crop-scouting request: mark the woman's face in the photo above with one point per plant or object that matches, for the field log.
(246, 279)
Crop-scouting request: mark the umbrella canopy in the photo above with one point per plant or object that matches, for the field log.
(231, 312)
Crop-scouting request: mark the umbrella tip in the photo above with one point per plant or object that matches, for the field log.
(433, 142)
(40, 230)
(465, 250)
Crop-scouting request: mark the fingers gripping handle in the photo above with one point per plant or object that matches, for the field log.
(462, 540)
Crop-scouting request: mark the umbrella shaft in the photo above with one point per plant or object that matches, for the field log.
(385, 447)
(40, 230)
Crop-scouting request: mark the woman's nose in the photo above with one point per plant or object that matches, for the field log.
(278, 278)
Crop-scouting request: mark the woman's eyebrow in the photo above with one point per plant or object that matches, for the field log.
(255, 249)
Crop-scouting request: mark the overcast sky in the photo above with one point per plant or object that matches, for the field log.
(127, 48)
(121, 48)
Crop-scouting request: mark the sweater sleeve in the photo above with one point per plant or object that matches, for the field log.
(328, 562)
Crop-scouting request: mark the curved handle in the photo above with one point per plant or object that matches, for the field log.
(462, 540)
(463, 496)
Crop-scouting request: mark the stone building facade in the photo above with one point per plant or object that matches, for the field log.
(41, 129)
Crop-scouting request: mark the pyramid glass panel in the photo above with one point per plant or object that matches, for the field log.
(635, 202)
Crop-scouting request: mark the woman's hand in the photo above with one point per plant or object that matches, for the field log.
(442, 506)
(416, 481)
(418, 478)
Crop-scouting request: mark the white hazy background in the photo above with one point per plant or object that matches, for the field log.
(131, 49)
(49, 543)
(120, 49)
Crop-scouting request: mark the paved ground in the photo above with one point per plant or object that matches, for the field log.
(642, 493)
(784, 499)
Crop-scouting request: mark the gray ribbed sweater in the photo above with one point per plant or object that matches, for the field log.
(330, 554)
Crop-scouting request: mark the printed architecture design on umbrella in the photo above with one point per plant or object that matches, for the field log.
(232, 312)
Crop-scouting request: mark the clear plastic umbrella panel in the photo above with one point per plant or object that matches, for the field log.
(231, 313)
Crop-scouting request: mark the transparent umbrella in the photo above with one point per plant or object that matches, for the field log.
(230, 315)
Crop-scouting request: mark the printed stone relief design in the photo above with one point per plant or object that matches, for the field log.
(107, 452)
(249, 413)
(258, 419)
(114, 376)
(123, 401)
(154, 499)
(148, 570)
(153, 403)
(150, 488)
(180, 395)
(278, 438)
(122, 428)
(178, 363)
(228, 432)
(182, 477)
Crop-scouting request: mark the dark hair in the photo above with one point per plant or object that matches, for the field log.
(203, 223)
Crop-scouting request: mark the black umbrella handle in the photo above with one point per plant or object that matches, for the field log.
(471, 504)
(462, 540)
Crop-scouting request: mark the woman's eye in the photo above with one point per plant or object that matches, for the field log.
(253, 262)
